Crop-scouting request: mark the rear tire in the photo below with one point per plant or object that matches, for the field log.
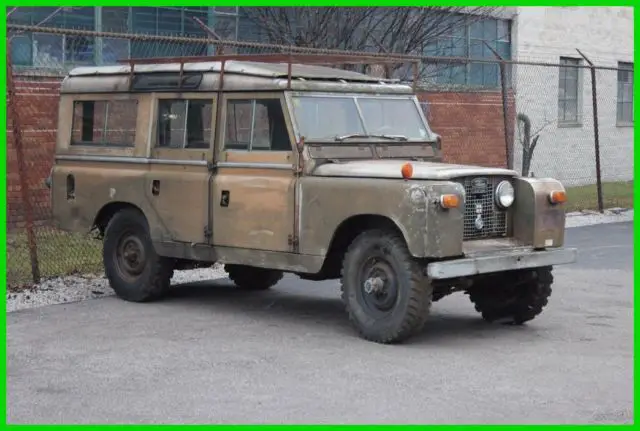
(253, 278)
(513, 298)
(386, 296)
(134, 270)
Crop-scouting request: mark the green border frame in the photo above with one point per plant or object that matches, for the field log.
(3, 178)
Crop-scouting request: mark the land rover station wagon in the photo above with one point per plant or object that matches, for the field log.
(274, 164)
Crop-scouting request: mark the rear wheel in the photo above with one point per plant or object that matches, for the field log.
(514, 297)
(385, 294)
(253, 278)
(134, 270)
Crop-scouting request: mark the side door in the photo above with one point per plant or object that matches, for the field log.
(178, 185)
(254, 183)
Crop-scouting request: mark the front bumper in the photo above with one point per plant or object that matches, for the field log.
(500, 261)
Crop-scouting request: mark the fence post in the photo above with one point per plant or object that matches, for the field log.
(596, 134)
(22, 171)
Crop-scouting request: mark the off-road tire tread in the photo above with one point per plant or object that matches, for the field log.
(252, 278)
(159, 279)
(514, 305)
(420, 291)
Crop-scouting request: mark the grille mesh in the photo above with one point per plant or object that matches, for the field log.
(493, 220)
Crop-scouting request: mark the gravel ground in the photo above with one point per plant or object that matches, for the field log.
(90, 286)
(79, 288)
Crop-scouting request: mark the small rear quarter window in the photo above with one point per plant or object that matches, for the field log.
(110, 123)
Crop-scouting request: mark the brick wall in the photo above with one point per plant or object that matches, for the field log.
(37, 105)
(470, 123)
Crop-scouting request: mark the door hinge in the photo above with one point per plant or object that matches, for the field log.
(293, 241)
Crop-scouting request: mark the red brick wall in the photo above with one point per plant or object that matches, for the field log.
(37, 105)
(470, 123)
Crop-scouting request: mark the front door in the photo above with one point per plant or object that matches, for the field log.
(254, 183)
(178, 182)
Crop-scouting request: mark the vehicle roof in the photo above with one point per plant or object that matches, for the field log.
(238, 76)
(249, 68)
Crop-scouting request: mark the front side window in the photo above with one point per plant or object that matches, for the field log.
(104, 122)
(256, 125)
(336, 118)
(184, 123)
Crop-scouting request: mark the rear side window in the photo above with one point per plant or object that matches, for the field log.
(184, 123)
(110, 123)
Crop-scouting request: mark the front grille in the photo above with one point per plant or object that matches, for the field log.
(480, 199)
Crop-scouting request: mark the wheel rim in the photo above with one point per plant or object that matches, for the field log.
(378, 285)
(130, 256)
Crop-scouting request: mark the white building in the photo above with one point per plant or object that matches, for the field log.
(559, 100)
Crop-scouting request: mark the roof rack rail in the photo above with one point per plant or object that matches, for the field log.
(288, 58)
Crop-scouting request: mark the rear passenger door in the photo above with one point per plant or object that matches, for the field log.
(254, 199)
(181, 149)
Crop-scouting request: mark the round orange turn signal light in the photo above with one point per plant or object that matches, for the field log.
(407, 171)
(557, 197)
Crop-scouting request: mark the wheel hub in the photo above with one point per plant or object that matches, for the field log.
(374, 285)
(130, 256)
(379, 290)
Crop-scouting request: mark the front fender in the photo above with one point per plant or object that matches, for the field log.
(413, 206)
(536, 221)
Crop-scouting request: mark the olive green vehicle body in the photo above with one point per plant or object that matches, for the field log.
(296, 209)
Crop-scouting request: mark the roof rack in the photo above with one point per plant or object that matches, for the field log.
(290, 59)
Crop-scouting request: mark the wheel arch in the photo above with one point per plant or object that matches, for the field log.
(347, 231)
(106, 213)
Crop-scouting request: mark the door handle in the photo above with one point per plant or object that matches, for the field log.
(225, 196)
(155, 187)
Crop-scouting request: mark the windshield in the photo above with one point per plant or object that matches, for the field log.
(343, 117)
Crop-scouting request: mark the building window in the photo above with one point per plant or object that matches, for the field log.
(109, 123)
(470, 41)
(624, 110)
(569, 91)
(184, 123)
(256, 125)
(51, 51)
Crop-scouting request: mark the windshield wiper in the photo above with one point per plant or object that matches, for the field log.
(362, 135)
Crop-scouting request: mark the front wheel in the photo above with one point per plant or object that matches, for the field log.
(134, 270)
(515, 297)
(385, 293)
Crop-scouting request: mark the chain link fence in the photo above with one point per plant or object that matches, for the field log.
(539, 120)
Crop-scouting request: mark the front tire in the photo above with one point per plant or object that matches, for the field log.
(514, 297)
(253, 278)
(386, 296)
(134, 270)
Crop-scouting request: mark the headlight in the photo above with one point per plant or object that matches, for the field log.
(505, 194)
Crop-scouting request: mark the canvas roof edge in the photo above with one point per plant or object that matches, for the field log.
(305, 66)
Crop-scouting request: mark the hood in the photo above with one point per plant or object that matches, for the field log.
(392, 168)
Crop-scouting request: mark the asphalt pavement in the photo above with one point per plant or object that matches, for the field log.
(211, 354)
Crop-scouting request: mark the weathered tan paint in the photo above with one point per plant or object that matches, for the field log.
(281, 214)
(181, 204)
(535, 220)
(327, 202)
(260, 214)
